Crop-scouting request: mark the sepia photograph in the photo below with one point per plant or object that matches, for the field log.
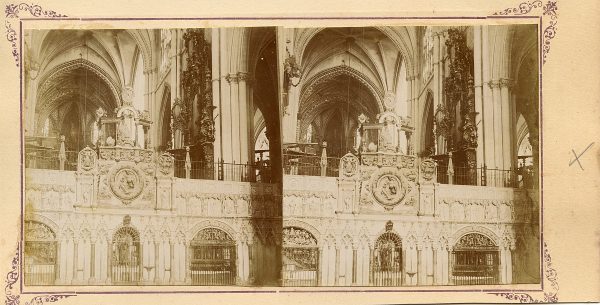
(277, 156)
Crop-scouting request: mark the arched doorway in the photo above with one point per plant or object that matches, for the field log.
(475, 260)
(126, 256)
(386, 265)
(40, 254)
(213, 258)
(300, 258)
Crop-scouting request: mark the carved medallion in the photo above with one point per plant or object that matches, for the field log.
(127, 183)
(165, 164)
(87, 159)
(427, 169)
(387, 188)
(348, 166)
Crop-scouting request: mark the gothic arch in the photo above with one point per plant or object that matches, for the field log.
(323, 76)
(43, 220)
(475, 229)
(192, 232)
(305, 226)
(402, 41)
(69, 66)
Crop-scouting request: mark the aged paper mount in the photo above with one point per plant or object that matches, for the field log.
(364, 157)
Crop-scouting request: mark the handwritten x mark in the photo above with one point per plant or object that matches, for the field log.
(579, 156)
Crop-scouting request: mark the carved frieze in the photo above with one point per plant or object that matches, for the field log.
(297, 237)
(126, 154)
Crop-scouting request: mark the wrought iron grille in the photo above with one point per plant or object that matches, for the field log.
(300, 258)
(39, 254)
(386, 265)
(213, 258)
(40, 262)
(475, 261)
(126, 259)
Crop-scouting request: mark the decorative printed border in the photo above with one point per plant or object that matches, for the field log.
(549, 9)
(551, 277)
(12, 13)
(14, 298)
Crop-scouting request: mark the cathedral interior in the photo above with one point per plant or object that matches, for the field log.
(275, 156)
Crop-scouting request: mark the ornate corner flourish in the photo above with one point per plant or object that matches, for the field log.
(551, 278)
(12, 294)
(549, 19)
(12, 12)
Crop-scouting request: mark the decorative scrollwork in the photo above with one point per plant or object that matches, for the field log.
(548, 10)
(522, 9)
(212, 236)
(12, 12)
(298, 237)
(14, 298)
(474, 241)
(548, 296)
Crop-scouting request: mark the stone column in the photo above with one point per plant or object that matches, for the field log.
(354, 265)
(171, 262)
(337, 266)
(156, 259)
(320, 268)
(487, 117)
(436, 274)
(420, 266)
(216, 92)
(225, 103)
(58, 265)
(507, 123)
(246, 262)
(404, 267)
(450, 267)
(509, 265)
(497, 105)
(478, 83)
(235, 104)
(188, 265)
(245, 119)
(435, 88)
(75, 261)
(93, 261)
(108, 262)
(371, 266)
(503, 265)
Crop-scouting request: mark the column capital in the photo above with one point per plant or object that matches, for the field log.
(493, 84)
(232, 78)
(506, 82)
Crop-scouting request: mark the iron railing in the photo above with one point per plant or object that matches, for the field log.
(484, 176)
(39, 274)
(310, 165)
(213, 265)
(49, 159)
(300, 266)
(126, 274)
(475, 267)
(224, 171)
